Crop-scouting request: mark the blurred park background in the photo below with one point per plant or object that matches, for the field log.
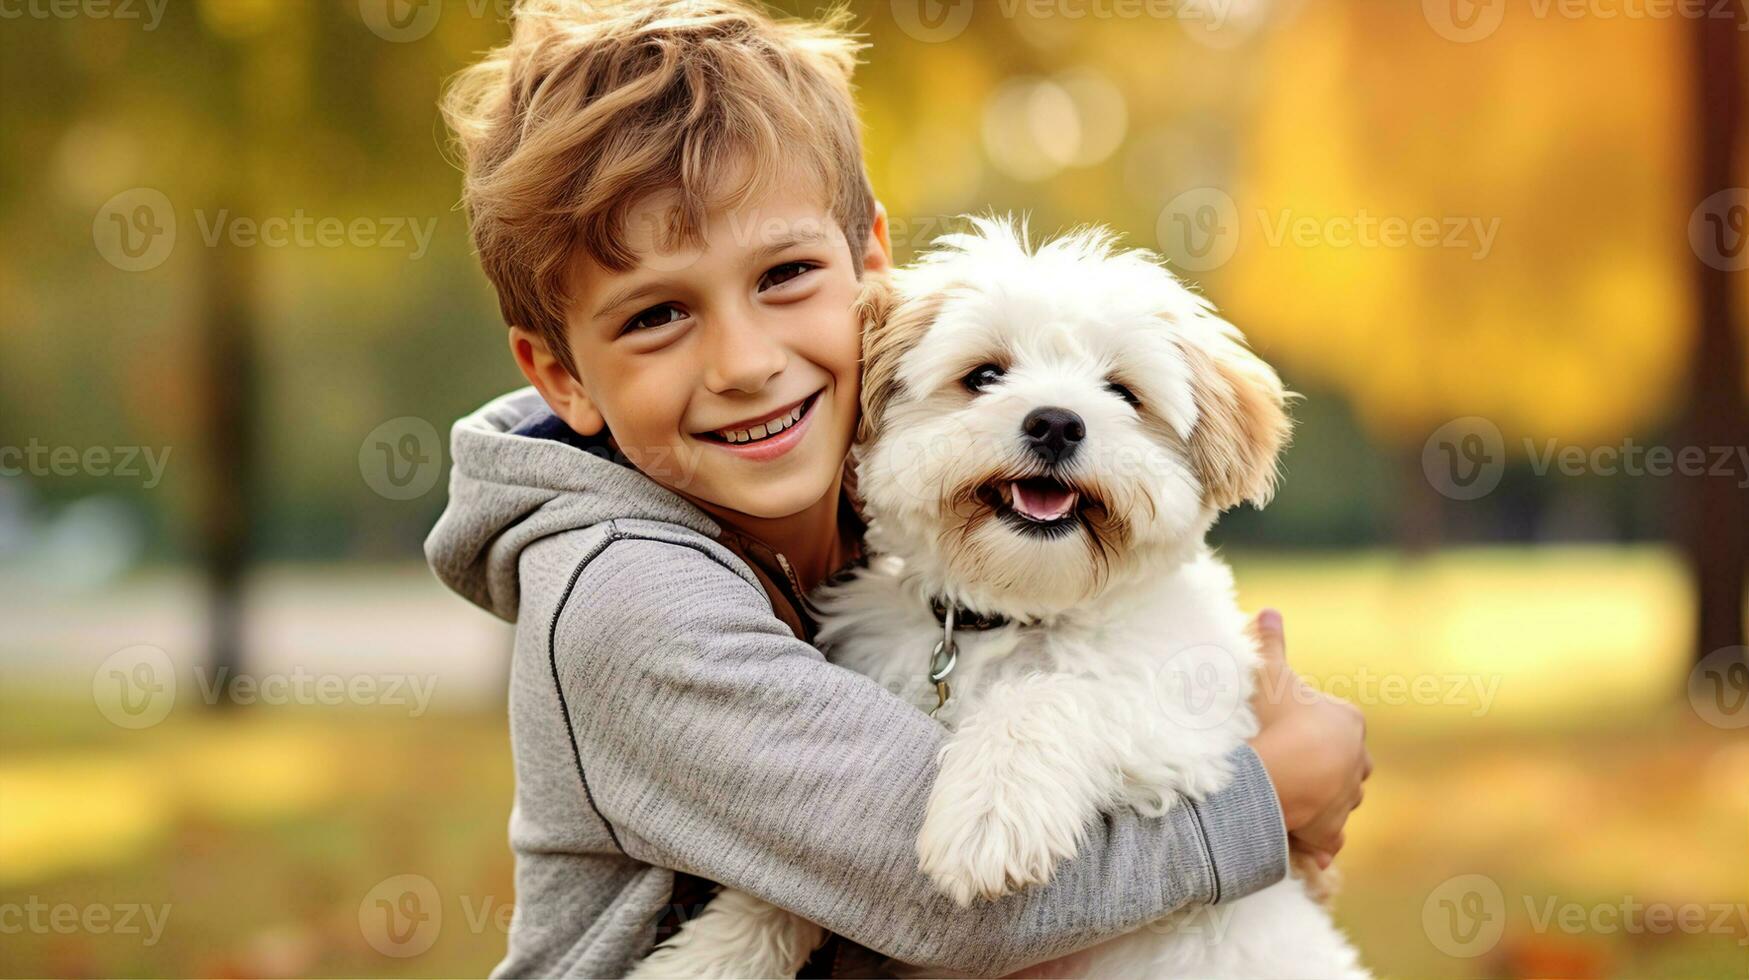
(1499, 246)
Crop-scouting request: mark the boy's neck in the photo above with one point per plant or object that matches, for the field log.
(811, 540)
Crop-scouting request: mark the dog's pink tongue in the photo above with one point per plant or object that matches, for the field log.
(1042, 501)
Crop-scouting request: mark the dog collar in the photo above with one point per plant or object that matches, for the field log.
(946, 655)
(965, 619)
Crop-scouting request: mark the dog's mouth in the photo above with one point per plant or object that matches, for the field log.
(1038, 505)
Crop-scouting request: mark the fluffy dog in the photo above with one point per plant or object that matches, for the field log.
(1047, 437)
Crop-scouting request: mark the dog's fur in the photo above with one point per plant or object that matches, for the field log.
(1124, 674)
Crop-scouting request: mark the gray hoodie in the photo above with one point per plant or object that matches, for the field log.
(665, 723)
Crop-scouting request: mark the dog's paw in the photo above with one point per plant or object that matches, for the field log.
(976, 844)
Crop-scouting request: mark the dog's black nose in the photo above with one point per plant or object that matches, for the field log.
(1053, 434)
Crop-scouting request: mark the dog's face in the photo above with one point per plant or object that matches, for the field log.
(1037, 424)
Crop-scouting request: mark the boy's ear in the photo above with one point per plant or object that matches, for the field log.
(877, 255)
(561, 389)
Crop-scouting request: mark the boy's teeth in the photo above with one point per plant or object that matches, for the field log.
(763, 430)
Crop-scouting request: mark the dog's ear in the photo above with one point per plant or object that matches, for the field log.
(890, 327)
(1242, 423)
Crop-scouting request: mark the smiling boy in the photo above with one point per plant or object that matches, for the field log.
(670, 200)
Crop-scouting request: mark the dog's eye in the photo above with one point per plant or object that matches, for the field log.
(982, 376)
(1122, 392)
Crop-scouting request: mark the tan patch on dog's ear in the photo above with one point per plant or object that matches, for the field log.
(1241, 426)
(890, 327)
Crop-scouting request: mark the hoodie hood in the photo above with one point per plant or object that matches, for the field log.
(520, 475)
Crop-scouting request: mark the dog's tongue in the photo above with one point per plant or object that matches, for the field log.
(1042, 500)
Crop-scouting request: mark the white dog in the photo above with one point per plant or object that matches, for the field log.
(1047, 437)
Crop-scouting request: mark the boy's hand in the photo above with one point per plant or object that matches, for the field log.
(1312, 745)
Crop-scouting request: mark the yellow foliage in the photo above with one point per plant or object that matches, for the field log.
(1561, 137)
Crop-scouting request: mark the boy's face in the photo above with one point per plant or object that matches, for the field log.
(728, 373)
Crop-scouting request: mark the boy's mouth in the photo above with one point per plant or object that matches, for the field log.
(767, 436)
(765, 426)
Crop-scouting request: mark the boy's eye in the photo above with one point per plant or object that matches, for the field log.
(655, 316)
(784, 273)
(982, 376)
(1123, 392)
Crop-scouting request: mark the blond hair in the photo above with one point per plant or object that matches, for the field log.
(594, 104)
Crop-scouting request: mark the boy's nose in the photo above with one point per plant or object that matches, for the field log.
(740, 356)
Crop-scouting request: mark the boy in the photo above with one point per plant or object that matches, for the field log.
(670, 200)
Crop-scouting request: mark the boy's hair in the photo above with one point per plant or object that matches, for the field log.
(594, 104)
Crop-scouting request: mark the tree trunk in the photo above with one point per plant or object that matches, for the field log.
(1716, 508)
(227, 381)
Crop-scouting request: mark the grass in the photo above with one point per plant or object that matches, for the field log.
(1582, 788)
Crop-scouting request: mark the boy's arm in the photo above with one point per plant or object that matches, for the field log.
(716, 743)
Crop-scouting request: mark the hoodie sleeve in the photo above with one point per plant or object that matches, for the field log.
(714, 742)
